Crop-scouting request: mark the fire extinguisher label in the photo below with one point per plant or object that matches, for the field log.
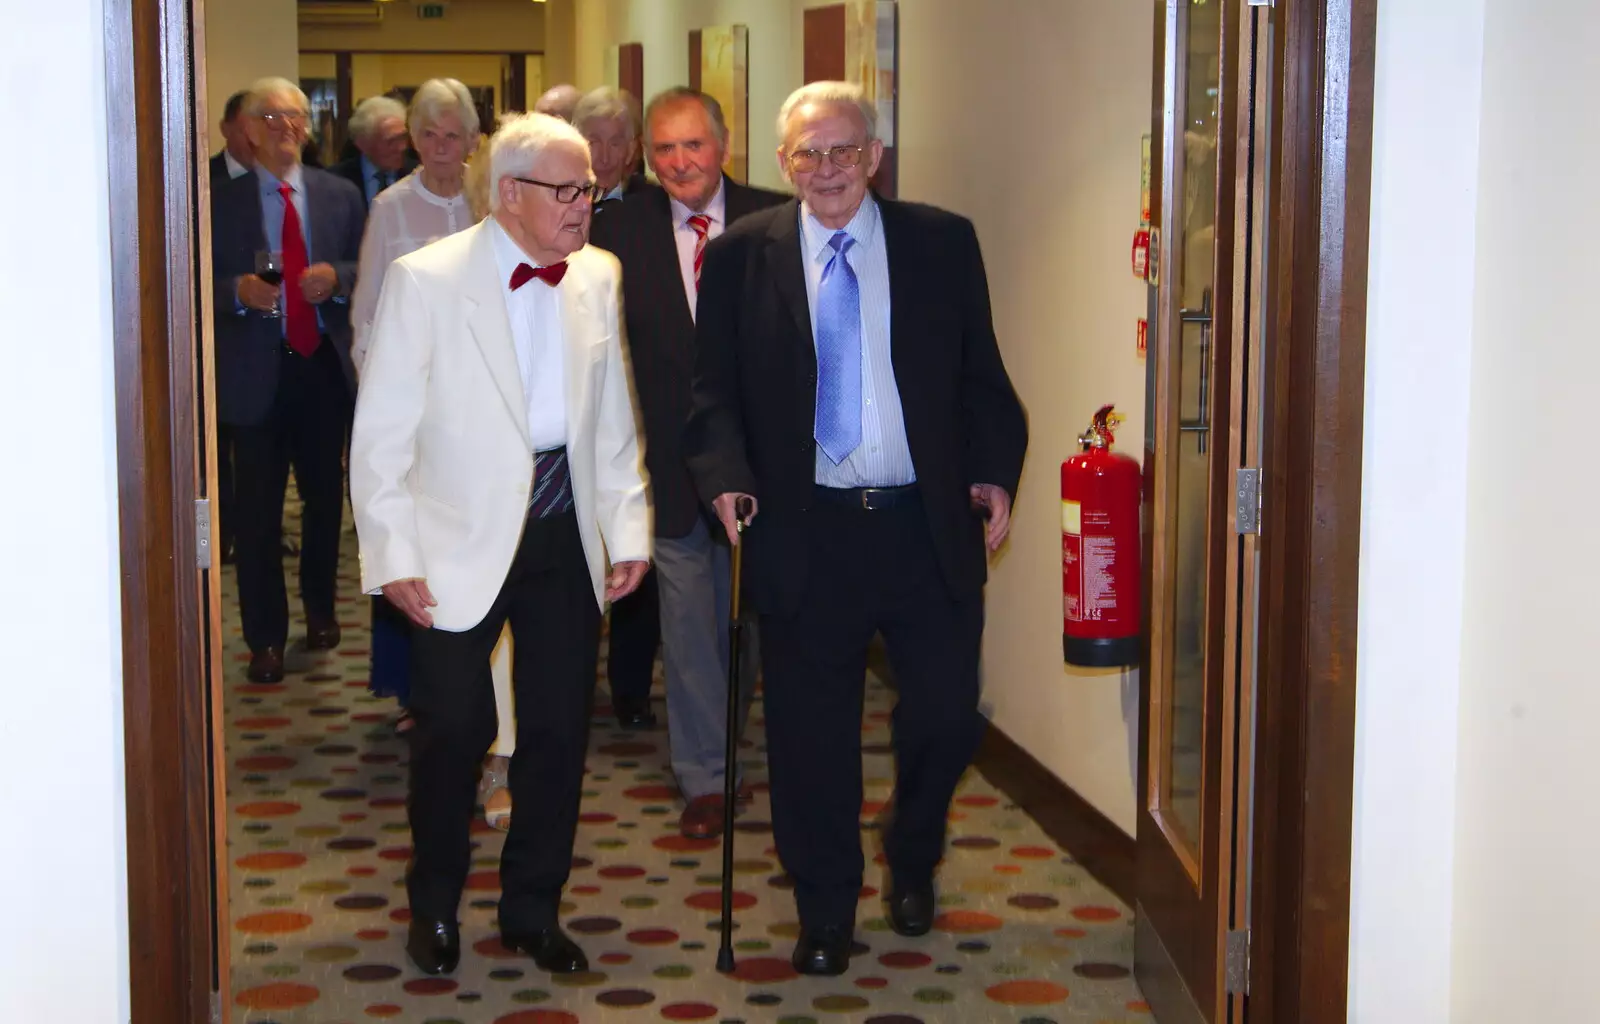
(1072, 517)
(1072, 576)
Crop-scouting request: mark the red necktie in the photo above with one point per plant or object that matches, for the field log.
(550, 275)
(702, 227)
(300, 320)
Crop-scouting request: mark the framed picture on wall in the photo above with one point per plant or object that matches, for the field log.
(719, 63)
(858, 41)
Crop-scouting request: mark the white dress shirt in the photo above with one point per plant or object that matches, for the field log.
(883, 459)
(235, 168)
(685, 237)
(535, 314)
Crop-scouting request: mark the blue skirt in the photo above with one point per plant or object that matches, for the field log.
(391, 652)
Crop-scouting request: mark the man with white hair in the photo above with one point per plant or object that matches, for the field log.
(558, 101)
(284, 377)
(606, 118)
(494, 471)
(378, 131)
(849, 386)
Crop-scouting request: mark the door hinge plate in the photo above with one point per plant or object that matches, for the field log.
(202, 533)
(1247, 501)
(1238, 961)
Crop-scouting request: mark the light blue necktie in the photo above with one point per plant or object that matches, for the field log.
(838, 423)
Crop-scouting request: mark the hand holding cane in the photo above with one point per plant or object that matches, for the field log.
(730, 764)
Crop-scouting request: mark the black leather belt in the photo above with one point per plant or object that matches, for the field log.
(869, 498)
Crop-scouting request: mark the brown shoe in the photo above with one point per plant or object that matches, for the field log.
(321, 635)
(266, 665)
(702, 819)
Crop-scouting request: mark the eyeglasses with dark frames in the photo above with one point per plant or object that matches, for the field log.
(564, 193)
(807, 160)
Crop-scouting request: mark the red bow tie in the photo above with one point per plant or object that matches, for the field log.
(550, 275)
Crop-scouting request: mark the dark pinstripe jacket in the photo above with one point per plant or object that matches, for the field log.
(660, 331)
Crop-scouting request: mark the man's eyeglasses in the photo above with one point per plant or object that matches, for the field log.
(565, 193)
(280, 121)
(807, 160)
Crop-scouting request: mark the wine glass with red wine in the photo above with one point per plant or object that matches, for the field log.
(269, 267)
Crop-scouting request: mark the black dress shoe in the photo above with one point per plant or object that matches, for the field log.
(822, 951)
(550, 948)
(266, 665)
(911, 908)
(634, 712)
(434, 946)
(321, 634)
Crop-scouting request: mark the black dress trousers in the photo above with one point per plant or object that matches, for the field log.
(870, 571)
(635, 638)
(304, 429)
(555, 622)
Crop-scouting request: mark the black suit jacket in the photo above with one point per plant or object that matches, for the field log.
(660, 332)
(755, 384)
(248, 344)
(350, 170)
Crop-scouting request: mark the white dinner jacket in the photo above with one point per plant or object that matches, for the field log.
(441, 465)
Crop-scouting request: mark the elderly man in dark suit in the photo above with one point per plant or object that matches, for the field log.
(284, 377)
(660, 235)
(382, 157)
(848, 383)
(235, 159)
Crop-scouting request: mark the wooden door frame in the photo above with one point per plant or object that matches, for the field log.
(158, 387)
(1315, 365)
(1315, 369)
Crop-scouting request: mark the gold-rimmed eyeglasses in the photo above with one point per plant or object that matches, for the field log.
(564, 193)
(807, 160)
(283, 120)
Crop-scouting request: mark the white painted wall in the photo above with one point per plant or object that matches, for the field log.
(1026, 117)
(63, 855)
(1414, 506)
(1474, 826)
(245, 40)
(1527, 825)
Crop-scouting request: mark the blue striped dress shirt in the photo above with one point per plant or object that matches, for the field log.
(884, 456)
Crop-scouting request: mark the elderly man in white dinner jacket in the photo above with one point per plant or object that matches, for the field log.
(495, 470)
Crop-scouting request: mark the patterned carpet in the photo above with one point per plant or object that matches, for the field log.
(318, 844)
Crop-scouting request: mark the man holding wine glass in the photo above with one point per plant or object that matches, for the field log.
(284, 243)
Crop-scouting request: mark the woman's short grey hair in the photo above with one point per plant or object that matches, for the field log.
(440, 96)
(516, 147)
(681, 94)
(605, 104)
(370, 111)
(264, 89)
(847, 93)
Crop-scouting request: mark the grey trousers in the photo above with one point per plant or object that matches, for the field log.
(695, 583)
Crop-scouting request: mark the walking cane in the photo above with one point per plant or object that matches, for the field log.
(730, 764)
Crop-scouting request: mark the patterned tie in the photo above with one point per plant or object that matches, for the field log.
(838, 422)
(300, 320)
(552, 484)
(550, 275)
(702, 229)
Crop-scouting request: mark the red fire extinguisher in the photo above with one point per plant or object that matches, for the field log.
(1100, 550)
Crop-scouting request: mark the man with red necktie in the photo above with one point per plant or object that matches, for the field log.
(660, 235)
(496, 477)
(284, 377)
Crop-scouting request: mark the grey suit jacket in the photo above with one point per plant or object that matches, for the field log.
(248, 344)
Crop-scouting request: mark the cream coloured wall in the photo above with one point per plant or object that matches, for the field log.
(1526, 823)
(489, 26)
(61, 738)
(318, 65)
(245, 40)
(1027, 121)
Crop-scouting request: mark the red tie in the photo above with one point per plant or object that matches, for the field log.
(550, 275)
(300, 319)
(702, 226)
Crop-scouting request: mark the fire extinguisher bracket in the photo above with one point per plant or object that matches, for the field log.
(1100, 571)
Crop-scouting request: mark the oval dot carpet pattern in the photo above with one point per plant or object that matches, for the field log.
(317, 848)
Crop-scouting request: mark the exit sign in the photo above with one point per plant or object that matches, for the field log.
(430, 10)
